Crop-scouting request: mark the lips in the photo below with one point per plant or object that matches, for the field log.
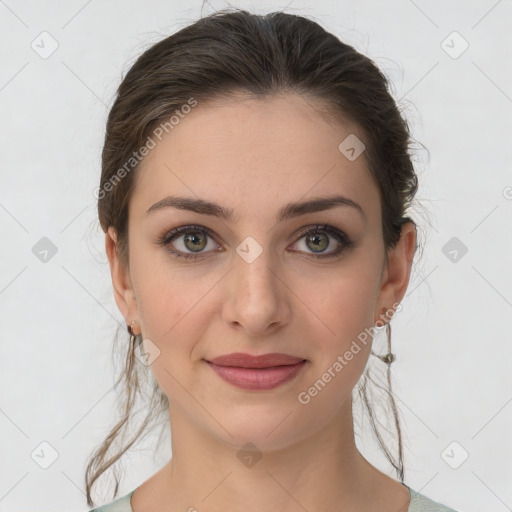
(241, 360)
(257, 372)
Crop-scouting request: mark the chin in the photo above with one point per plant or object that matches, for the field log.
(270, 429)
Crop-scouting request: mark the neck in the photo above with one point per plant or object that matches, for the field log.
(324, 471)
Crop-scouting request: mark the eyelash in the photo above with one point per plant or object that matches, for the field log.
(340, 236)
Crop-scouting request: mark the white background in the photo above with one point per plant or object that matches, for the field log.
(452, 375)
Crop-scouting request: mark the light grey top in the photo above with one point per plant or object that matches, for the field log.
(419, 503)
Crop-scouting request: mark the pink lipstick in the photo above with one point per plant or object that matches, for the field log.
(266, 371)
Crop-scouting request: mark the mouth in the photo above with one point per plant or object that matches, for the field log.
(267, 371)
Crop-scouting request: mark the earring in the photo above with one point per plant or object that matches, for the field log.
(389, 357)
(133, 336)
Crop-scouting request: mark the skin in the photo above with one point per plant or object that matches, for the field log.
(255, 156)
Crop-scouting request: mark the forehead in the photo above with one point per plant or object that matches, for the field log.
(253, 155)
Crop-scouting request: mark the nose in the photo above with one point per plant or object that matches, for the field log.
(257, 298)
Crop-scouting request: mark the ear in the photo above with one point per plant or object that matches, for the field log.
(124, 293)
(395, 278)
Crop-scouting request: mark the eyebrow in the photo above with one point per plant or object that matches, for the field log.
(289, 211)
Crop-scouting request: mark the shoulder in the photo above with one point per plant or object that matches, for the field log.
(420, 503)
(120, 505)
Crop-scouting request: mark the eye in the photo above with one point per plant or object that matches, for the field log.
(317, 240)
(193, 238)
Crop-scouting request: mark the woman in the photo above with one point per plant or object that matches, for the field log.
(255, 180)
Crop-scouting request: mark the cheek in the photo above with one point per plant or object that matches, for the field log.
(176, 306)
(341, 306)
(169, 310)
(341, 345)
(340, 302)
(167, 293)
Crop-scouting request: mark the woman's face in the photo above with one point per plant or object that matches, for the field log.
(257, 282)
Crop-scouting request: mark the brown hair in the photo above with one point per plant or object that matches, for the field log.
(219, 55)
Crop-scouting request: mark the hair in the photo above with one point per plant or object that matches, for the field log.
(228, 52)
